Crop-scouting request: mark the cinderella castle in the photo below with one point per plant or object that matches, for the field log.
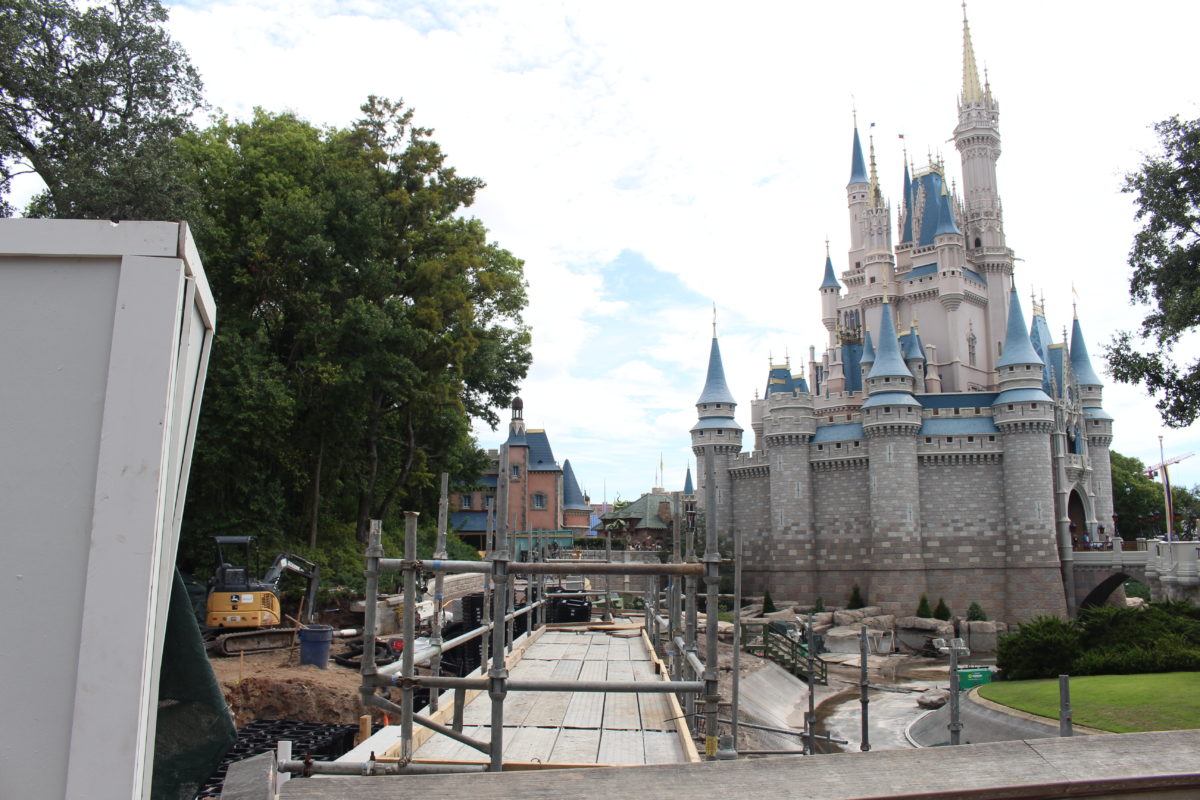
(940, 445)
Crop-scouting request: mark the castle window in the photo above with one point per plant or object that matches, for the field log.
(887, 380)
(949, 438)
(970, 438)
(849, 417)
(720, 432)
(928, 440)
(820, 447)
(1033, 405)
(971, 348)
(1010, 406)
(887, 409)
(956, 411)
(831, 419)
(937, 412)
(515, 471)
(838, 445)
(872, 280)
(991, 438)
(464, 501)
(539, 501)
(856, 444)
(978, 242)
(978, 410)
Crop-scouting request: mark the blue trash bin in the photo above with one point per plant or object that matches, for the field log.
(315, 641)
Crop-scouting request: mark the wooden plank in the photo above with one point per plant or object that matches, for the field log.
(529, 744)
(618, 649)
(577, 650)
(586, 709)
(655, 708)
(518, 704)
(443, 747)
(621, 708)
(621, 747)
(547, 652)
(551, 707)
(576, 745)
(662, 747)
(682, 729)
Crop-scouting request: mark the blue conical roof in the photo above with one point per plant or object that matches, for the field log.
(868, 353)
(1017, 347)
(687, 483)
(909, 201)
(888, 362)
(913, 348)
(572, 497)
(715, 388)
(858, 167)
(830, 281)
(945, 221)
(1081, 365)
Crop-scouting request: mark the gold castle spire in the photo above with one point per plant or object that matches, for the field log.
(971, 91)
(876, 196)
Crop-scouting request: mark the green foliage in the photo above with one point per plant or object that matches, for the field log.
(92, 100)
(975, 613)
(1160, 637)
(1137, 589)
(364, 322)
(1166, 273)
(941, 611)
(924, 610)
(819, 606)
(768, 603)
(1041, 648)
(856, 598)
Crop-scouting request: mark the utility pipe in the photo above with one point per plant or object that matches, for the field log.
(439, 552)
(409, 632)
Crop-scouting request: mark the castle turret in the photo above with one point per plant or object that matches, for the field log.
(914, 358)
(719, 433)
(891, 420)
(789, 426)
(1024, 415)
(878, 260)
(831, 291)
(857, 192)
(1097, 426)
(867, 359)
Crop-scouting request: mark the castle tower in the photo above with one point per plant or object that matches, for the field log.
(789, 426)
(867, 359)
(857, 193)
(977, 138)
(914, 358)
(891, 419)
(831, 291)
(1097, 424)
(716, 432)
(1024, 415)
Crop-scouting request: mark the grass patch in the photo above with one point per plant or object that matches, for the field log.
(1162, 701)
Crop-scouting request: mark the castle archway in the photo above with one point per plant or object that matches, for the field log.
(1077, 513)
(1099, 596)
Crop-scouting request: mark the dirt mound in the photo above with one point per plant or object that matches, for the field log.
(277, 686)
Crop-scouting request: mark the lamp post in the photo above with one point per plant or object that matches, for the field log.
(955, 649)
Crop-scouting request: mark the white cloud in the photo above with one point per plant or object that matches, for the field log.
(715, 143)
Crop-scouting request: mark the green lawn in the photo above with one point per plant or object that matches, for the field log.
(1119, 703)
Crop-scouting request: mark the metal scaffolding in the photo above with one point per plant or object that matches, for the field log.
(674, 635)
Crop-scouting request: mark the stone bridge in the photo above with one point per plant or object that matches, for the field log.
(1168, 568)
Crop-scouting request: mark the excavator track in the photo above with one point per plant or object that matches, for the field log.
(255, 641)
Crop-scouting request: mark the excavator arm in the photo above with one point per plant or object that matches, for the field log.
(290, 562)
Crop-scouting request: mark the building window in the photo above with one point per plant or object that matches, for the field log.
(949, 438)
(820, 447)
(928, 440)
(936, 412)
(539, 501)
(971, 348)
(465, 501)
(887, 409)
(1033, 405)
(970, 438)
(991, 438)
(515, 471)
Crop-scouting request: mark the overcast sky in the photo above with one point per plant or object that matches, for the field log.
(648, 159)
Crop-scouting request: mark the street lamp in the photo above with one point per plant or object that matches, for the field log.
(956, 648)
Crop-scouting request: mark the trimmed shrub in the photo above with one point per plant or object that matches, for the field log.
(923, 608)
(1044, 647)
(942, 611)
(819, 606)
(768, 603)
(856, 599)
(975, 613)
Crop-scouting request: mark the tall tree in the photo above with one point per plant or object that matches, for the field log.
(368, 318)
(92, 100)
(1166, 273)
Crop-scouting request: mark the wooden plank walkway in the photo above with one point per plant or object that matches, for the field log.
(575, 727)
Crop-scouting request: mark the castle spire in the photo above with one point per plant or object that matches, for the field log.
(858, 168)
(687, 482)
(716, 390)
(830, 281)
(888, 361)
(572, 496)
(972, 92)
(1081, 364)
(876, 197)
(1018, 349)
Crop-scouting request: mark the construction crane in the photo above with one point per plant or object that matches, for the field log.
(1152, 471)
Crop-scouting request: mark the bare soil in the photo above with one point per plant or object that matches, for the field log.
(277, 686)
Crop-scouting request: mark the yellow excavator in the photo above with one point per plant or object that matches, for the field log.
(242, 612)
